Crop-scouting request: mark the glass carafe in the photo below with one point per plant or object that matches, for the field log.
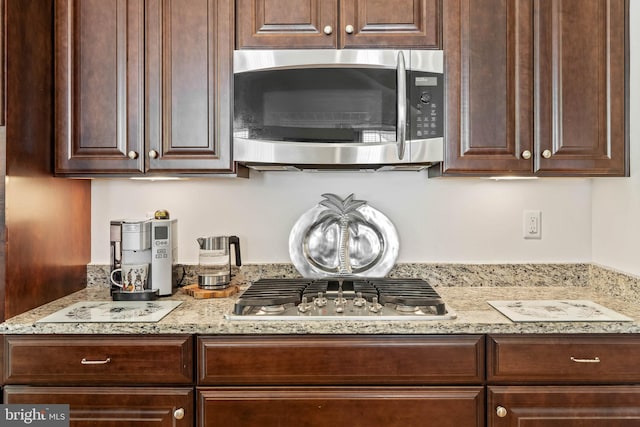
(214, 261)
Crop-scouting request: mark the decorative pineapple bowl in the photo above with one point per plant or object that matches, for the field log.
(343, 238)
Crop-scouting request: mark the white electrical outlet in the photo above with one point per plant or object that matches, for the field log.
(532, 224)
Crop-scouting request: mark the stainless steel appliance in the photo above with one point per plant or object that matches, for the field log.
(334, 298)
(214, 261)
(338, 109)
(153, 242)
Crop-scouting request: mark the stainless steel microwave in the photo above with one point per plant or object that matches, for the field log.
(338, 109)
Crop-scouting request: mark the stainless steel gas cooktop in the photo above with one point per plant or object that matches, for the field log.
(334, 298)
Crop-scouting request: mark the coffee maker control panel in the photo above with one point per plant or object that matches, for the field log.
(164, 251)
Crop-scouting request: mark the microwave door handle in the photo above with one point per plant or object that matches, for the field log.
(401, 77)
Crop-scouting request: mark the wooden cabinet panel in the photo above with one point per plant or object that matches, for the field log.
(143, 86)
(346, 406)
(99, 360)
(349, 360)
(113, 407)
(64, 232)
(549, 406)
(324, 24)
(286, 24)
(3, 92)
(580, 86)
(518, 359)
(386, 24)
(536, 87)
(488, 59)
(99, 101)
(188, 83)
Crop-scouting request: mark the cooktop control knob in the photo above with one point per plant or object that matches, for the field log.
(304, 305)
(375, 306)
(359, 301)
(425, 97)
(320, 301)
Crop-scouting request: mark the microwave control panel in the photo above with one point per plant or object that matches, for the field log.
(426, 94)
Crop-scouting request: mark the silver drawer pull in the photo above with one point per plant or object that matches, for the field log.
(95, 362)
(594, 360)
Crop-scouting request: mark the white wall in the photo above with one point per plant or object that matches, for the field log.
(616, 202)
(438, 220)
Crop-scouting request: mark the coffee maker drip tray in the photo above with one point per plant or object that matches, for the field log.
(112, 312)
(145, 295)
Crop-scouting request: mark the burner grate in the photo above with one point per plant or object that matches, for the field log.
(270, 292)
(409, 292)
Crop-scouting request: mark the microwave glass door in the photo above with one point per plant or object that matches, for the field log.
(317, 105)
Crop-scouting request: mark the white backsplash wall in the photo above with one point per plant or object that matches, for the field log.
(616, 202)
(448, 220)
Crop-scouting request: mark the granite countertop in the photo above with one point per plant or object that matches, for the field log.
(474, 316)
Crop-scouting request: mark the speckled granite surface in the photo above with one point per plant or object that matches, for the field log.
(436, 274)
(464, 288)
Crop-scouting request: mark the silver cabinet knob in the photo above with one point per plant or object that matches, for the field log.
(153, 154)
(132, 155)
(349, 29)
(178, 414)
(546, 154)
(526, 154)
(501, 411)
(328, 29)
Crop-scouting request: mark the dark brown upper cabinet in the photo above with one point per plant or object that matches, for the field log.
(581, 51)
(535, 87)
(189, 85)
(488, 65)
(99, 102)
(143, 86)
(330, 24)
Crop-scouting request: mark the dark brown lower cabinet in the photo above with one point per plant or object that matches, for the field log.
(560, 380)
(113, 406)
(563, 406)
(341, 406)
(340, 380)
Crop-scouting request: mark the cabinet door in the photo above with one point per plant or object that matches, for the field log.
(188, 83)
(98, 75)
(389, 23)
(595, 406)
(270, 24)
(488, 64)
(113, 407)
(346, 406)
(580, 87)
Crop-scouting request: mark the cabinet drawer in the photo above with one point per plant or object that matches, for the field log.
(558, 359)
(400, 406)
(99, 360)
(341, 360)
